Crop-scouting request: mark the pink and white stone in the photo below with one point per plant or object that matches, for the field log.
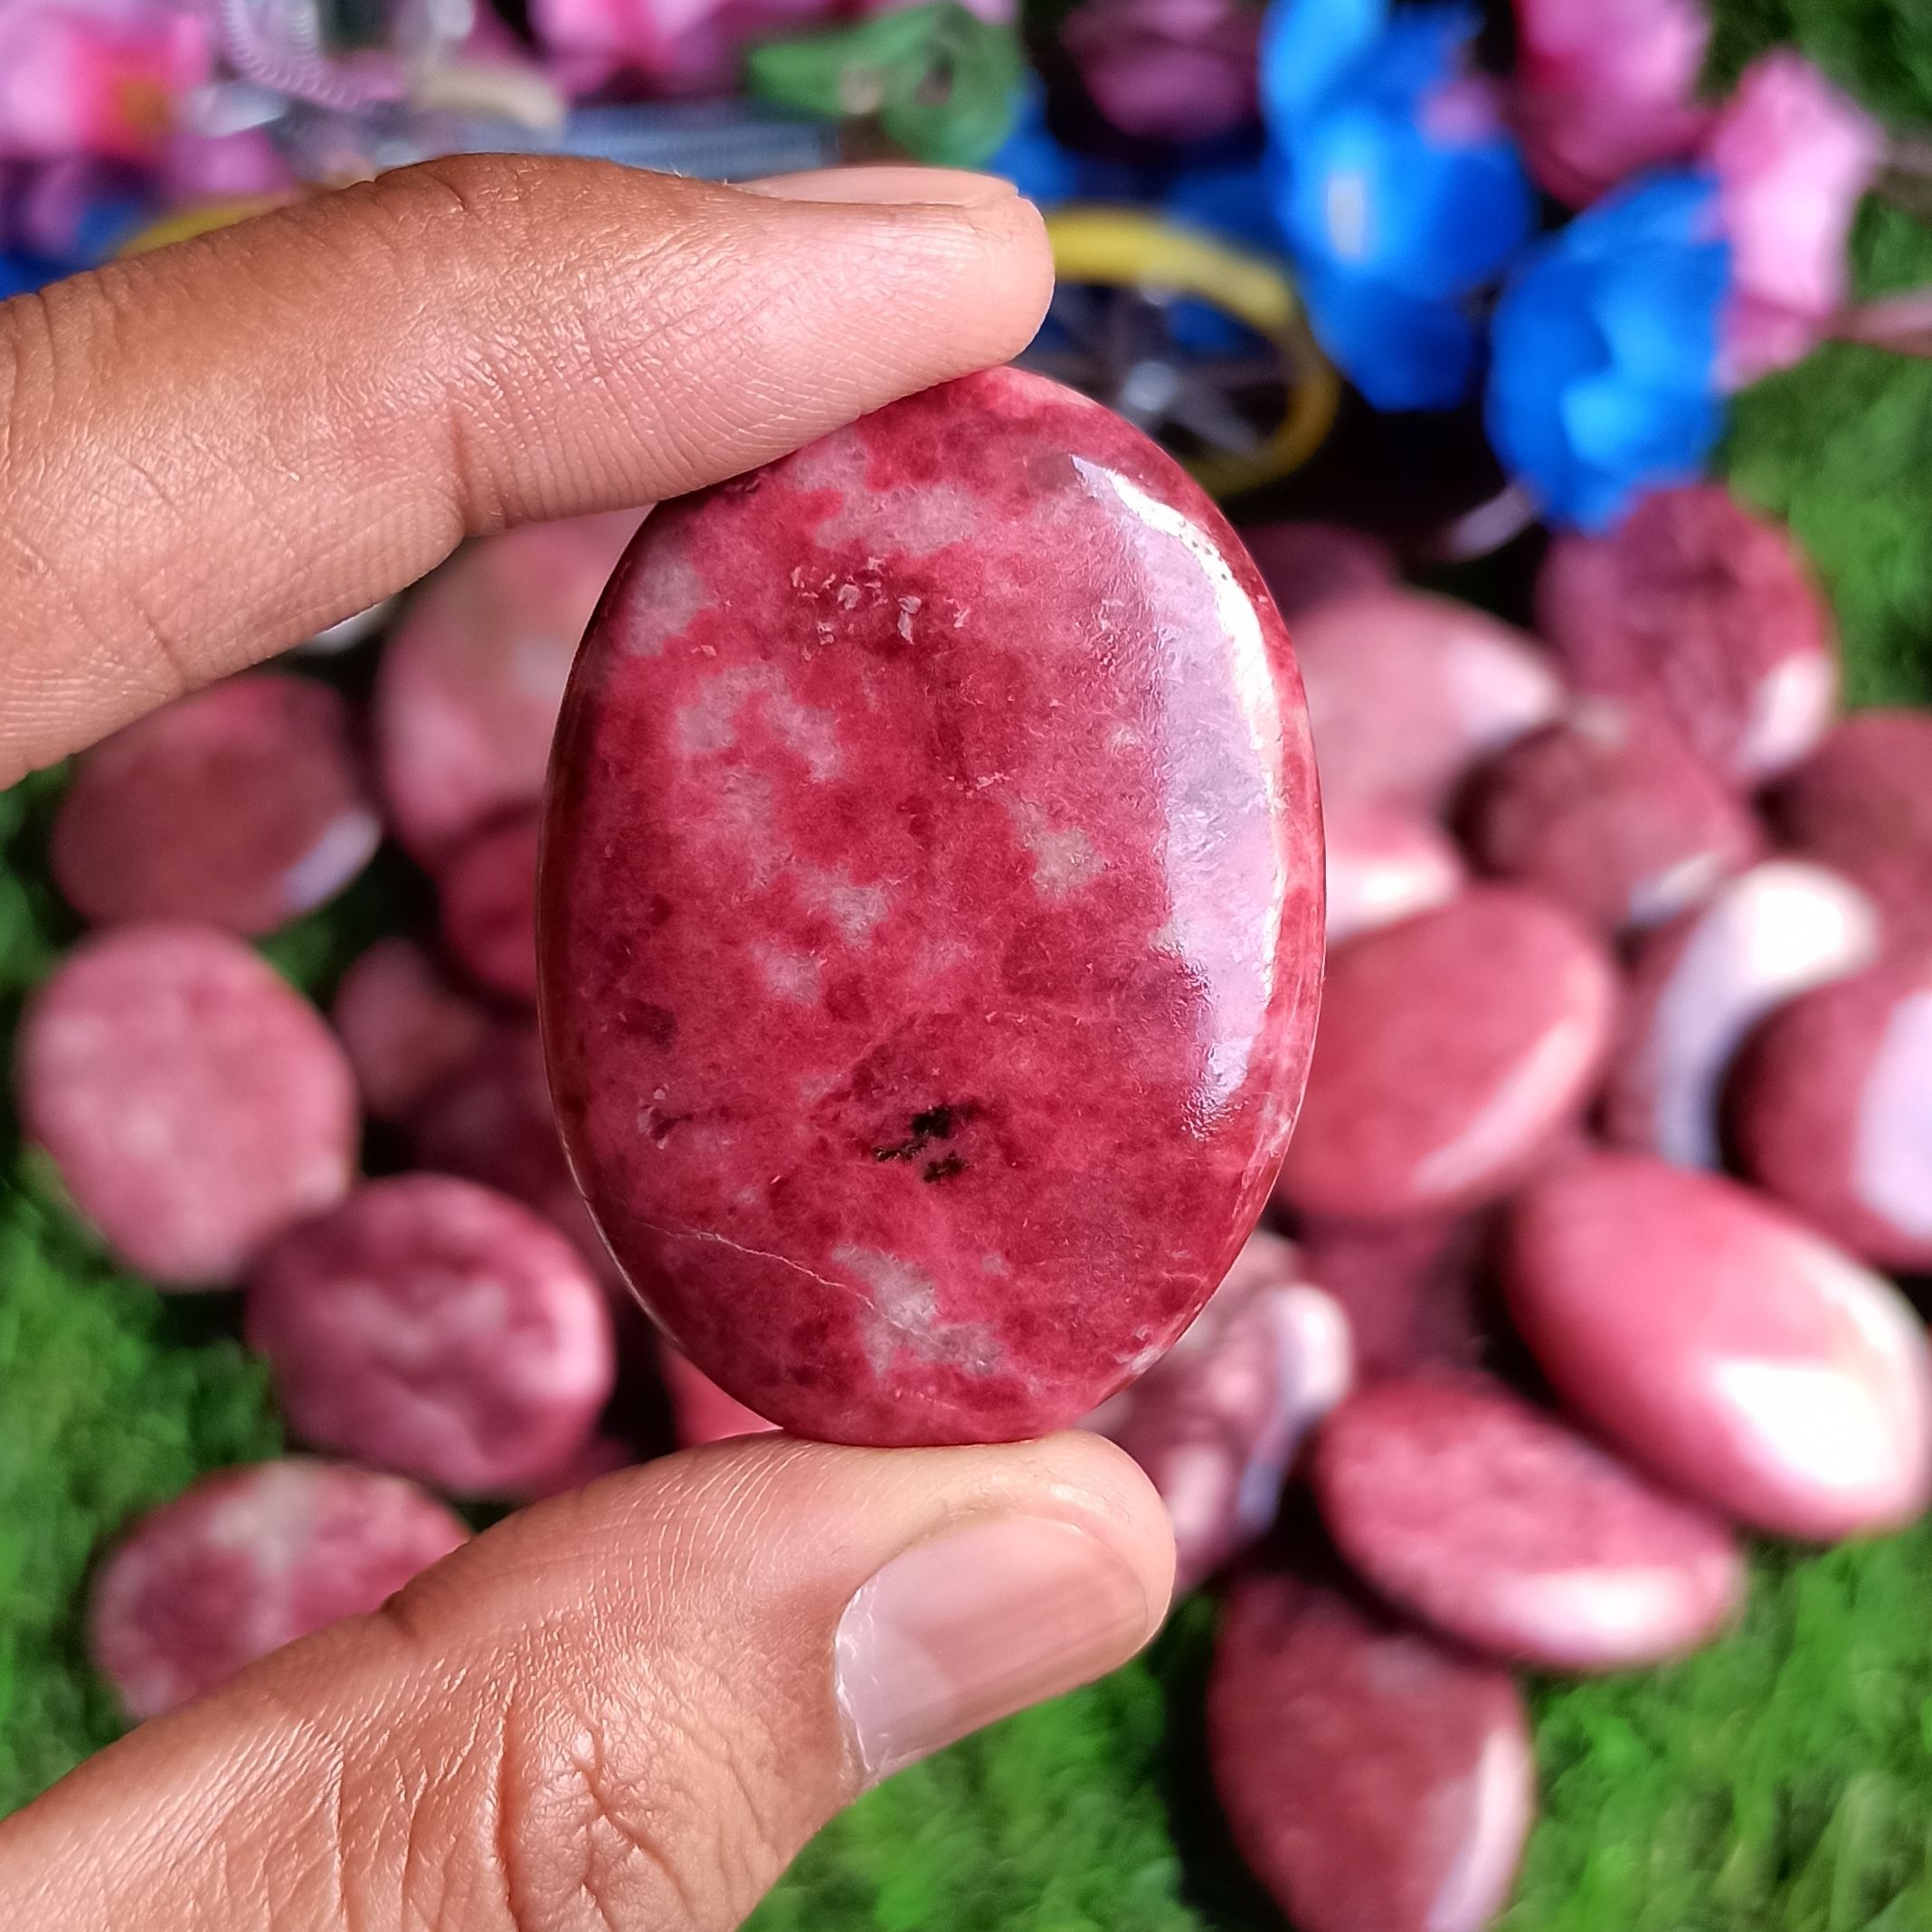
(1407, 1289)
(1698, 987)
(1724, 1346)
(1386, 864)
(1508, 1532)
(1219, 1421)
(1611, 815)
(1705, 614)
(1406, 693)
(1374, 1779)
(486, 890)
(931, 920)
(430, 1326)
(250, 1560)
(1454, 1048)
(1862, 803)
(243, 806)
(1832, 1110)
(1306, 564)
(403, 1026)
(469, 684)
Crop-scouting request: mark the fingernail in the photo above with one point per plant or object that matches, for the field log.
(976, 1624)
(886, 184)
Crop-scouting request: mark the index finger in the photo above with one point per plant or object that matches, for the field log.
(211, 451)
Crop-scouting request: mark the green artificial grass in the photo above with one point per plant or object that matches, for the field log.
(1780, 1781)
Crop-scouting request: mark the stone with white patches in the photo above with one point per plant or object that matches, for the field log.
(250, 1560)
(1386, 864)
(1050, 847)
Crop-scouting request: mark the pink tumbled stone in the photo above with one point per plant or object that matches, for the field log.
(1724, 1345)
(1386, 864)
(930, 915)
(488, 890)
(468, 691)
(1611, 815)
(1506, 1530)
(250, 1560)
(1217, 1420)
(1832, 1110)
(1408, 692)
(430, 1326)
(1307, 563)
(243, 806)
(1375, 1780)
(1704, 613)
(1453, 1048)
(1861, 804)
(700, 1410)
(404, 1028)
(1700, 984)
(1407, 1289)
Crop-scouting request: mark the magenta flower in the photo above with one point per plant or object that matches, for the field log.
(1603, 88)
(1791, 155)
(1168, 70)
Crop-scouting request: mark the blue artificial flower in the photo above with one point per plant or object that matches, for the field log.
(1604, 354)
(1398, 189)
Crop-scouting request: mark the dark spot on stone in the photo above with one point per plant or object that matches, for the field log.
(932, 1124)
(656, 1024)
(660, 910)
(945, 1168)
(935, 1124)
(659, 1124)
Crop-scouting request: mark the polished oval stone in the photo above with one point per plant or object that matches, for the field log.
(1704, 614)
(1832, 1110)
(1386, 864)
(1724, 1345)
(1455, 1047)
(1508, 1532)
(1219, 1421)
(1611, 816)
(1408, 692)
(931, 916)
(1374, 1779)
(1407, 1289)
(403, 1026)
(1699, 985)
(1862, 803)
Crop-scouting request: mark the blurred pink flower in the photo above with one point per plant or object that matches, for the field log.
(238, 166)
(1791, 155)
(100, 78)
(1168, 70)
(1605, 86)
(679, 47)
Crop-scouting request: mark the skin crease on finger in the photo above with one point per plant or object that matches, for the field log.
(211, 451)
(615, 1710)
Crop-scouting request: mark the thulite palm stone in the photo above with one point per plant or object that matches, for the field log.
(931, 917)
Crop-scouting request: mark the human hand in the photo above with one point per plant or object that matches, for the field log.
(627, 1707)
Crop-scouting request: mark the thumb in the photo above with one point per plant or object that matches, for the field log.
(627, 1708)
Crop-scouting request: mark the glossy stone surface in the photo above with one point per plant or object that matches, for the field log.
(468, 691)
(250, 1560)
(194, 1102)
(1218, 1421)
(931, 916)
(1612, 816)
(1832, 1110)
(243, 806)
(487, 893)
(1307, 563)
(1374, 1779)
(1407, 1289)
(1861, 804)
(1508, 1532)
(1453, 1048)
(1705, 614)
(404, 1028)
(1698, 986)
(1408, 692)
(1386, 864)
(437, 1328)
(1724, 1345)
